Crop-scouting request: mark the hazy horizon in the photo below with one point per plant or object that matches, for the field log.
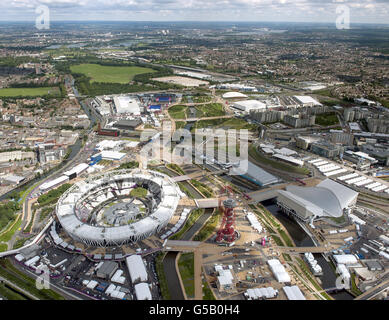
(299, 11)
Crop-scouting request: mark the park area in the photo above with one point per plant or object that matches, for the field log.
(29, 92)
(111, 74)
(200, 111)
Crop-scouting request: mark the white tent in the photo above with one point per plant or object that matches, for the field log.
(136, 268)
(142, 291)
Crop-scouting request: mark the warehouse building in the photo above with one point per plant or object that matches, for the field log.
(53, 183)
(249, 105)
(254, 174)
(326, 149)
(128, 124)
(112, 155)
(127, 104)
(307, 101)
(76, 171)
(107, 270)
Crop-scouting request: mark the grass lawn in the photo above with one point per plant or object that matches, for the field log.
(5, 237)
(207, 292)
(175, 168)
(111, 74)
(180, 124)
(10, 294)
(209, 228)
(29, 92)
(177, 112)
(201, 99)
(232, 123)
(186, 268)
(161, 276)
(327, 119)
(285, 237)
(204, 189)
(3, 247)
(276, 164)
(194, 215)
(210, 110)
(138, 193)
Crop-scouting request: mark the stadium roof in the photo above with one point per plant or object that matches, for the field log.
(78, 202)
(328, 198)
(233, 94)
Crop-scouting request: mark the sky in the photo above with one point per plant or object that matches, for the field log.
(361, 11)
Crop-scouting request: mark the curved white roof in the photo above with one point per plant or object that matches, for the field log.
(233, 94)
(328, 198)
(80, 200)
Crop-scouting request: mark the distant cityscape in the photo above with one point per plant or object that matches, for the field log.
(95, 115)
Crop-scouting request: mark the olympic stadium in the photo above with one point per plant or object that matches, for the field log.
(105, 210)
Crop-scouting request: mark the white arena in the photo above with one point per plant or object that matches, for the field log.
(327, 199)
(100, 211)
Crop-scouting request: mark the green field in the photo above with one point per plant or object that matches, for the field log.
(178, 112)
(110, 74)
(209, 110)
(232, 123)
(327, 119)
(29, 92)
(186, 268)
(138, 193)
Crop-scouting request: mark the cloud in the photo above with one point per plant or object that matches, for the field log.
(253, 10)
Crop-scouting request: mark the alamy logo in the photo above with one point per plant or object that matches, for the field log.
(342, 281)
(343, 17)
(43, 280)
(226, 148)
(42, 22)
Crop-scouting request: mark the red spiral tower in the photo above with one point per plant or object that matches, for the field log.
(227, 231)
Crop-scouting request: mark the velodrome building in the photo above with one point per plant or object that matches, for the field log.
(327, 199)
(101, 211)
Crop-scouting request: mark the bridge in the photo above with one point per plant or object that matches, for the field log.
(256, 196)
(320, 249)
(198, 248)
(37, 239)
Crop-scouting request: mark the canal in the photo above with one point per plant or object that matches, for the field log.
(302, 239)
(169, 262)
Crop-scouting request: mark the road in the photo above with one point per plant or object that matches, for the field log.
(371, 293)
(54, 287)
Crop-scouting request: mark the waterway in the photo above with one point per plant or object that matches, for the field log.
(169, 262)
(302, 239)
